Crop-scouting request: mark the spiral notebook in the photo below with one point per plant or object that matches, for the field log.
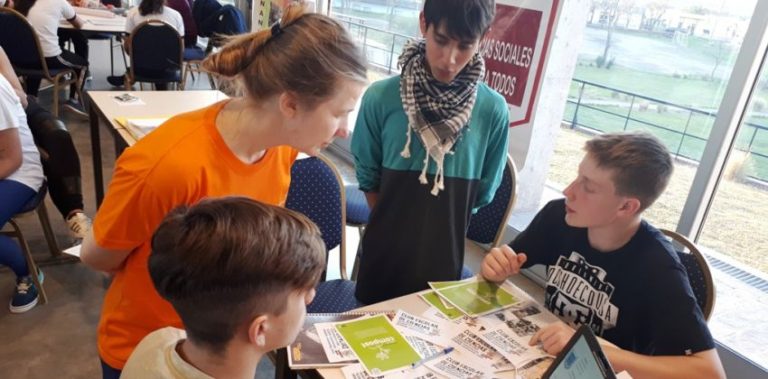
(306, 352)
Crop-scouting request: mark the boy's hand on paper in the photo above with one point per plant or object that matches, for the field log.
(553, 337)
(500, 263)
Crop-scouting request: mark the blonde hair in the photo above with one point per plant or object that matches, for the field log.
(306, 54)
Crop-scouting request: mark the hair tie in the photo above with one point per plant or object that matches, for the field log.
(276, 30)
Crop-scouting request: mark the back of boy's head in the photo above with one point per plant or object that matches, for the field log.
(223, 262)
(464, 20)
(640, 163)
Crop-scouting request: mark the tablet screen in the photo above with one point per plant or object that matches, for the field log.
(582, 358)
(578, 363)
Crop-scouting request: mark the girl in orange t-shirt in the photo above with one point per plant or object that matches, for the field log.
(300, 80)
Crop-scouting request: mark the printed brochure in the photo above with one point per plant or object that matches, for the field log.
(379, 347)
(477, 297)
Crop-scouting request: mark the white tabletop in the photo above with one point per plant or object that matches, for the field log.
(153, 104)
(413, 304)
(115, 25)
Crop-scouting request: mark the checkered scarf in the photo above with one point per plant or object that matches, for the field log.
(436, 111)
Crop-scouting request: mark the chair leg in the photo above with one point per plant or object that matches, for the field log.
(211, 81)
(34, 272)
(356, 264)
(125, 61)
(50, 237)
(182, 83)
(111, 56)
(56, 96)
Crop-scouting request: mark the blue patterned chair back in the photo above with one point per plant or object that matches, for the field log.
(317, 192)
(487, 225)
(699, 275)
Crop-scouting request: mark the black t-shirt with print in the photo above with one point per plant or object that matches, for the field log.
(637, 297)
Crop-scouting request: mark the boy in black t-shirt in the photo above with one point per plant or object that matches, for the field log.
(609, 269)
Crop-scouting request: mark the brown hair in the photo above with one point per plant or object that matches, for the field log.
(305, 54)
(148, 7)
(23, 6)
(224, 261)
(641, 164)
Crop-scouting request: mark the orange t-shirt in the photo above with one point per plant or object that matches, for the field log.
(182, 161)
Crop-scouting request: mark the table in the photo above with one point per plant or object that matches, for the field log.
(96, 26)
(414, 305)
(115, 25)
(102, 107)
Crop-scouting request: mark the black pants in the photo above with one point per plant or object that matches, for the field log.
(108, 372)
(79, 41)
(67, 59)
(61, 164)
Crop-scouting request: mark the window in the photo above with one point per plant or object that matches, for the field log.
(665, 69)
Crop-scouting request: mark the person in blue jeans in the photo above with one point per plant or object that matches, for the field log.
(21, 175)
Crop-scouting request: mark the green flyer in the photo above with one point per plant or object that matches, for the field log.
(477, 297)
(378, 345)
(435, 301)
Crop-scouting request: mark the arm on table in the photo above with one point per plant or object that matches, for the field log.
(99, 258)
(704, 364)
(77, 22)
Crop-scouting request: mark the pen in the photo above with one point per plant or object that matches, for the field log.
(431, 357)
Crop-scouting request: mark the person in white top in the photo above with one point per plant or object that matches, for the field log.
(78, 39)
(240, 274)
(44, 16)
(153, 10)
(21, 175)
(148, 10)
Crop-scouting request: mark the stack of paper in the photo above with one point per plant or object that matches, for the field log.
(104, 13)
(140, 127)
(473, 329)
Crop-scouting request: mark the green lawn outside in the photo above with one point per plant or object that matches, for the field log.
(687, 92)
(691, 145)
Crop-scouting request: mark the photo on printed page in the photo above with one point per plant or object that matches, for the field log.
(477, 297)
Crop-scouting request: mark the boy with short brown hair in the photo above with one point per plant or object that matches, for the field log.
(610, 269)
(239, 273)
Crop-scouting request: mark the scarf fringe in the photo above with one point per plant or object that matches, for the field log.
(451, 103)
(423, 176)
(406, 153)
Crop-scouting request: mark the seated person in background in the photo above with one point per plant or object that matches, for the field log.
(77, 37)
(240, 274)
(44, 16)
(21, 175)
(184, 7)
(148, 10)
(613, 271)
(61, 164)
